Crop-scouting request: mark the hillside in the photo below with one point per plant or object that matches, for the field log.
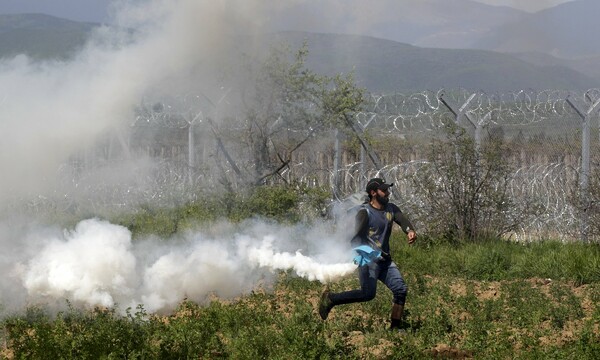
(379, 65)
(460, 23)
(429, 23)
(41, 36)
(589, 66)
(567, 31)
(384, 65)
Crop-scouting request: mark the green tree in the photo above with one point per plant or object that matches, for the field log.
(285, 104)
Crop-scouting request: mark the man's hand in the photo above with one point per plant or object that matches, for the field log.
(412, 236)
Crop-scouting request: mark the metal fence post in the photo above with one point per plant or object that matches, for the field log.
(191, 153)
(363, 141)
(336, 164)
(363, 157)
(459, 113)
(586, 117)
(363, 169)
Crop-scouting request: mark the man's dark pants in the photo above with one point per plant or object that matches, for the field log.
(384, 271)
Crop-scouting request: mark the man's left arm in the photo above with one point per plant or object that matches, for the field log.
(405, 225)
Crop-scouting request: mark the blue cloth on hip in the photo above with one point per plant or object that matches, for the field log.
(365, 254)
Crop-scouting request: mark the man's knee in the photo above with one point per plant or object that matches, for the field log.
(369, 294)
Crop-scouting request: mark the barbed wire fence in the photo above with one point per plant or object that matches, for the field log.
(553, 128)
(551, 131)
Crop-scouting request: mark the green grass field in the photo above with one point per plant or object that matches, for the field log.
(486, 300)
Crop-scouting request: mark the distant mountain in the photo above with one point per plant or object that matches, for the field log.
(379, 65)
(589, 66)
(566, 31)
(462, 22)
(427, 23)
(41, 36)
(569, 30)
(384, 66)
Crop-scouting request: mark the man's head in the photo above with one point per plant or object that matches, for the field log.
(377, 183)
(379, 190)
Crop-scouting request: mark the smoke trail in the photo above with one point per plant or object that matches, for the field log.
(301, 264)
(96, 264)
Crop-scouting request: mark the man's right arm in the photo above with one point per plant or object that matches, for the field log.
(361, 228)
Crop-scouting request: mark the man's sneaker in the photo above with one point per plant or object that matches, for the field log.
(325, 305)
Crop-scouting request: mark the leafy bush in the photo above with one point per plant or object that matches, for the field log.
(273, 202)
(465, 189)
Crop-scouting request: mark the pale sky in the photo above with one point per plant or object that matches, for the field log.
(97, 10)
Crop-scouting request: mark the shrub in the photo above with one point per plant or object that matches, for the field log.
(465, 189)
(282, 203)
(274, 202)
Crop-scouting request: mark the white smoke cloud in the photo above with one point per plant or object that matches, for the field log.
(96, 264)
(93, 265)
(50, 111)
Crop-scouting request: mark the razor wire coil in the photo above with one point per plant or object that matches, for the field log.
(172, 180)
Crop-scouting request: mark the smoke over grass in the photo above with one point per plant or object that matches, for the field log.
(97, 264)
